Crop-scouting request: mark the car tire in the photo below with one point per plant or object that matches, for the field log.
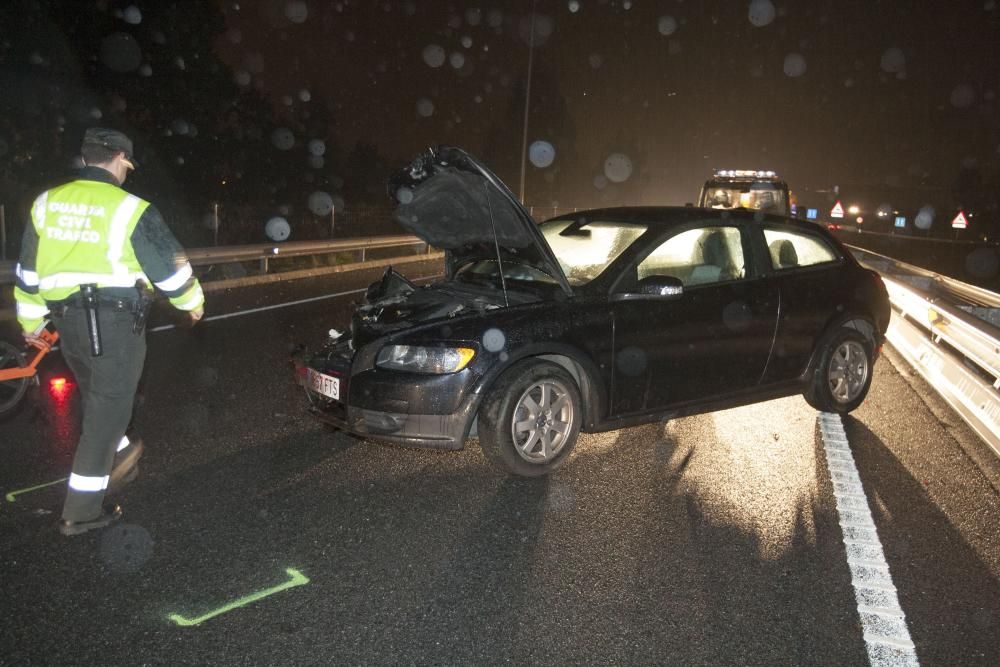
(12, 391)
(843, 375)
(530, 420)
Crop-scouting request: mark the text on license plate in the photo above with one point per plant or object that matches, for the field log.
(324, 384)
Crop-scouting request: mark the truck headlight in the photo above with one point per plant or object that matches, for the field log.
(420, 359)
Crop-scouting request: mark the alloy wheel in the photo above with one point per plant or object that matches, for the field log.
(542, 421)
(848, 371)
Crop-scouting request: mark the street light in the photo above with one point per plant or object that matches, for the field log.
(527, 97)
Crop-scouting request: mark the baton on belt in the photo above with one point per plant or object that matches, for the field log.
(89, 294)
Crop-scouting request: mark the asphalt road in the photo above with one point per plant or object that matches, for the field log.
(707, 540)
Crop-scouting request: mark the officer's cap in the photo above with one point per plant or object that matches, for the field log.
(112, 139)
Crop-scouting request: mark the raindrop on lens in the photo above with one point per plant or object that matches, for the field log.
(631, 361)
(297, 11)
(618, 167)
(983, 263)
(736, 315)
(541, 154)
(277, 229)
(320, 203)
(283, 139)
(667, 25)
(963, 96)
(433, 55)
(893, 61)
(925, 217)
(132, 15)
(425, 107)
(317, 147)
(125, 547)
(761, 13)
(494, 340)
(795, 65)
(120, 52)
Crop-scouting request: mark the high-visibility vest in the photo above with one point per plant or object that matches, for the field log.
(84, 236)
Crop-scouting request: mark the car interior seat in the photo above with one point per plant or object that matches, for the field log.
(717, 262)
(783, 254)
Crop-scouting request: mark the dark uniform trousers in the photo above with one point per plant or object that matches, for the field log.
(107, 386)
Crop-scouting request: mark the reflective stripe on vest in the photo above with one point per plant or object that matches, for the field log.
(29, 278)
(177, 280)
(84, 230)
(31, 311)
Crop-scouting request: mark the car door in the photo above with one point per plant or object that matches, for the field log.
(712, 340)
(807, 271)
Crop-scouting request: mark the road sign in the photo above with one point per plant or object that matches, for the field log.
(960, 222)
(837, 211)
(901, 221)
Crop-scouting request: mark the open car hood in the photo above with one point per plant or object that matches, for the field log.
(452, 201)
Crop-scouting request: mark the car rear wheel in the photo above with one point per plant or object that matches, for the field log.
(844, 373)
(530, 420)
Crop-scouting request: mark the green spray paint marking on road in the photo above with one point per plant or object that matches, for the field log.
(10, 496)
(297, 579)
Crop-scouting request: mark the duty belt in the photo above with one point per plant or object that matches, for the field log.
(122, 305)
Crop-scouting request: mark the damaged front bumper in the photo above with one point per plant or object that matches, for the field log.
(445, 432)
(374, 405)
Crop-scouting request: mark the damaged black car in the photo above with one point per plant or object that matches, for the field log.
(590, 322)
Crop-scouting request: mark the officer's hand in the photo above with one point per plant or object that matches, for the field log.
(196, 314)
(37, 341)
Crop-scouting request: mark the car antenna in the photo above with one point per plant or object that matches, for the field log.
(496, 245)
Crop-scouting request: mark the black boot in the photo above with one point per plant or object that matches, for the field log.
(109, 514)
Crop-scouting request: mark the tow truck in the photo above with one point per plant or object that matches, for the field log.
(752, 189)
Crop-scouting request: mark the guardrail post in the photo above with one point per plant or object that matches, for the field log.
(263, 264)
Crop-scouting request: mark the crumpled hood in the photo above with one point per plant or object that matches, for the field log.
(395, 303)
(451, 201)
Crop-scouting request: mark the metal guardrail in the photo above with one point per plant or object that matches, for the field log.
(953, 343)
(948, 330)
(265, 252)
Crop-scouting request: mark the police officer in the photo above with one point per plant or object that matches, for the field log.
(87, 261)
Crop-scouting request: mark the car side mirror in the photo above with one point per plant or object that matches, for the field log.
(653, 287)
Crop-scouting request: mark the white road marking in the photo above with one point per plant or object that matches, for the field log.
(251, 311)
(883, 622)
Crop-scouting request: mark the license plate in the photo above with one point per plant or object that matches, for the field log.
(324, 384)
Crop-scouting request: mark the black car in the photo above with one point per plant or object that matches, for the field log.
(593, 321)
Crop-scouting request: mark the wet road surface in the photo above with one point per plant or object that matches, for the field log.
(708, 540)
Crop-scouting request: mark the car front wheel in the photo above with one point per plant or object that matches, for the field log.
(530, 420)
(844, 374)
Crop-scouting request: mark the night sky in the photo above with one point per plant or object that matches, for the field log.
(632, 102)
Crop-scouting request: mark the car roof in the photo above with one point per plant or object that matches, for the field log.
(669, 216)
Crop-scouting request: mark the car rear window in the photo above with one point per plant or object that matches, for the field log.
(584, 251)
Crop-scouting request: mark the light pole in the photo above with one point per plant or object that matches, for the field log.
(527, 97)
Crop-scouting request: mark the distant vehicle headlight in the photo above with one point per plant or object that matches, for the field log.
(420, 359)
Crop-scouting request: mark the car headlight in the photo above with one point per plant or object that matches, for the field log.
(420, 359)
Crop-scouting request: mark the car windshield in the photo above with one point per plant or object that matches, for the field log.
(585, 249)
(484, 271)
(757, 196)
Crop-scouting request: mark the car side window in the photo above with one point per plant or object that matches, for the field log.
(698, 256)
(790, 249)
